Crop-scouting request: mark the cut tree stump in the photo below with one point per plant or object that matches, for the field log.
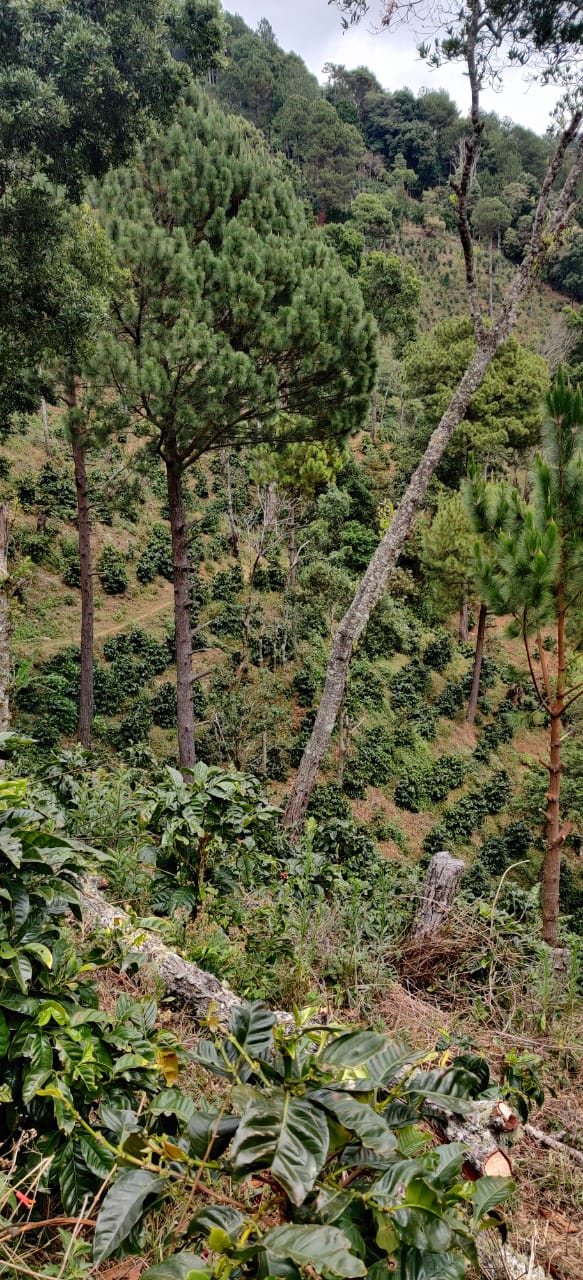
(437, 895)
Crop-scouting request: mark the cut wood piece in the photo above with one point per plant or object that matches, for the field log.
(497, 1165)
(193, 989)
(553, 1144)
(438, 894)
(478, 1131)
(504, 1118)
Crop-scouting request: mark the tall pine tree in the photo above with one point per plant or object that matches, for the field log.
(234, 318)
(537, 576)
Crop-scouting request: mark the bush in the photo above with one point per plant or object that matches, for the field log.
(359, 543)
(374, 756)
(109, 693)
(305, 685)
(392, 628)
(328, 801)
(439, 651)
(163, 705)
(497, 792)
(425, 722)
(409, 685)
(276, 576)
(446, 774)
(112, 571)
(135, 726)
(229, 622)
(156, 558)
(227, 583)
(71, 567)
(450, 700)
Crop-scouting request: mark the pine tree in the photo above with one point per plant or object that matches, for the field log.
(539, 579)
(235, 323)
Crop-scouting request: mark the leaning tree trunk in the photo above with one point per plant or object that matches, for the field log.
(85, 573)
(548, 228)
(374, 582)
(291, 546)
(437, 895)
(477, 671)
(491, 277)
(5, 524)
(182, 620)
(45, 421)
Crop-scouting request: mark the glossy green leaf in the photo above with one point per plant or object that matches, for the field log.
(286, 1135)
(122, 1209)
(386, 1189)
(362, 1119)
(252, 1027)
(488, 1194)
(221, 1216)
(173, 1102)
(22, 971)
(20, 903)
(75, 1182)
(411, 1140)
(11, 847)
(323, 1248)
(32, 1082)
(181, 1266)
(4, 1035)
(205, 1126)
(450, 1158)
(97, 1157)
(353, 1049)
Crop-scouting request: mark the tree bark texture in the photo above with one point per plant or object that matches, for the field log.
(546, 232)
(45, 421)
(554, 835)
(438, 894)
(479, 1130)
(85, 574)
(463, 622)
(477, 671)
(193, 989)
(5, 524)
(182, 620)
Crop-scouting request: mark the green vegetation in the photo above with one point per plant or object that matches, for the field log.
(252, 328)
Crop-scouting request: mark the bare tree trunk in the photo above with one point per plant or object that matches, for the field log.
(182, 620)
(438, 894)
(555, 838)
(45, 422)
(5, 525)
(374, 409)
(463, 622)
(491, 277)
(342, 746)
(479, 654)
(85, 572)
(233, 526)
(548, 228)
(291, 546)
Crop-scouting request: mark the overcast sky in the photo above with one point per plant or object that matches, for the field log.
(312, 29)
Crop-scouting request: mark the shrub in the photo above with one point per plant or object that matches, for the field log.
(163, 705)
(408, 685)
(109, 693)
(135, 726)
(112, 571)
(374, 758)
(71, 567)
(305, 685)
(156, 558)
(425, 722)
(450, 700)
(493, 855)
(392, 628)
(439, 651)
(328, 801)
(497, 792)
(465, 817)
(366, 686)
(229, 622)
(446, 774)
(227, 583)
(359, 543)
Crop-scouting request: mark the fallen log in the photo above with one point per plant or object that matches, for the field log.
(553, 1144)
(192, 988)
(478, 1130)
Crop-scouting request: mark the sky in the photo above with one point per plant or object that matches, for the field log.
(312, 28)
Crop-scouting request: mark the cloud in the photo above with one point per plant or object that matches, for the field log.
(312, 28)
